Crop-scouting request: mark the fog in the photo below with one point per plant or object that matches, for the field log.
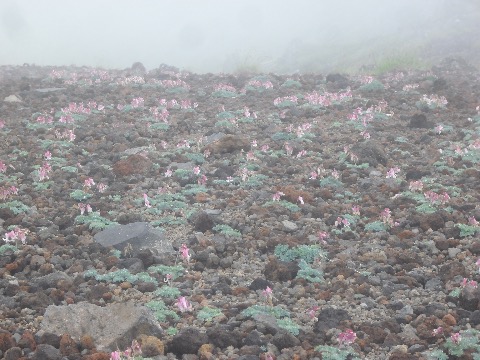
(237, 35)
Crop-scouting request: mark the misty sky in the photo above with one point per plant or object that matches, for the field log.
(207, 35)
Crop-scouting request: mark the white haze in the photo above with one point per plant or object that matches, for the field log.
(228, 35)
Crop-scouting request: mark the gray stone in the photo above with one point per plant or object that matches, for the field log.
(289, 226)
(47, 90)
(13, 353)
(188, 341)
(140, 235)
(53, 280)
(113, 326)
(12, 98)
(46, 352)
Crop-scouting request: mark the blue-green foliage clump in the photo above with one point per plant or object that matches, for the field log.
(161, 311)
(121, 275)
(15, 206)
(469, 340)
(94, 221)
(176, 271)
(282, 316)
(333, 353)
(467, 230)
(286, 204)
(373, 86)
(307, 253)
(165, 202)
(166, 291)
(224, 94)
(290, 83)
(227, 230)
(376, 226)
(308, 273)
(80, 195)
(330, 181)
(6, 248)
(208, 314)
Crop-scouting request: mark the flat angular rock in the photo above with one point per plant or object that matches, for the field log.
(113, 326)
(140, 235)
(12, 98)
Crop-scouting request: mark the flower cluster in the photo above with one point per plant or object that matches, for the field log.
(6, 192)
(285, 99)
(347, 337)
(137, 102)
(434, 198)
(277, 195)
(434, 100)
(225, 87)
(130, 353)
(268, 295)
(415, 186)
(44, 171)
(342, 223)
(260, 84)
(183, 304)
(327, 98)
(16, 234)
(84, 207)
(410, 87)
(393, 172)
(386, 216)
(67, 134)
(159, 114)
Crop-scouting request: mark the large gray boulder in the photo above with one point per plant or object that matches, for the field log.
(113, 326)
(138, 235)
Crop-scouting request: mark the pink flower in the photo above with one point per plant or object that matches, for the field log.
(3, 167)
(202, 180)
(437, 331)
(456, 338)
(300, 200)
(392, 173)
(89, 182)
(478, 262)
(322, 235)
(184, 252)
(251, 156)
(196, 170)
(168, 173)
(312, 312)
(416, 186)
(268, 293)
(147, 203)
(101, 187)
(48, 155)
(277, 195)
(472, 221)
(288, 149)
(115, 355)
(365, 134)
(356, 210)
(168, 279)
(347, 337)
(439, 129)
(10, 236)
(183, 304)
